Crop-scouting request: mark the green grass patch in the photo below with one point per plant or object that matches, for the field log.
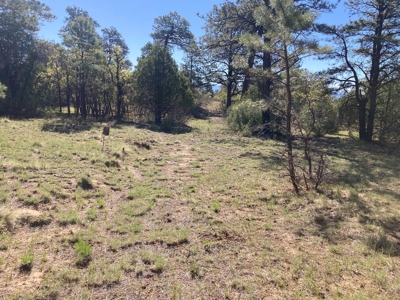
(68, 217)
(155, 261)
(26, 260)
(136, 208)
(84, 251)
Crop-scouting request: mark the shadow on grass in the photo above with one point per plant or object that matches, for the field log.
(66, 125)
(360, 171)
(204, 114)
(265, 160)
(327, 225)
(180, 129)
(357, 163)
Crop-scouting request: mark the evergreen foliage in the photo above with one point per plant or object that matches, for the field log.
(161, 89)
(245, 116)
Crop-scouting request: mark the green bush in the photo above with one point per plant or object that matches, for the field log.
(313, 107)
(326, 117)
(245, 116)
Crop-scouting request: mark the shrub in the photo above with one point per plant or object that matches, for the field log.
(313, 107)
(245, 116)
(326, 117)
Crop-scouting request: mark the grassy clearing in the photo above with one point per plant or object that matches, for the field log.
(201, 214)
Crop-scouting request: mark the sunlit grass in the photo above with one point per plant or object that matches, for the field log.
(200, 214)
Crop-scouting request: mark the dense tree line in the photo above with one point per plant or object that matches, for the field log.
(253, 50)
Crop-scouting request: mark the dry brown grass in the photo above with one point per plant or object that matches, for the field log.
(201, 215)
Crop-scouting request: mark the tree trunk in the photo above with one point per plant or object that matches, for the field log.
(375, 70)
(83, 88)
(83, 101)
(229, 90)
(362, 109)
(229, 95)
(371, 115)
(59, 96)
(247, 78)
(266, 90)
(157, 116)
(266, 80)
(119, 100)
(68, 96)
(77, 101)
(291, 167)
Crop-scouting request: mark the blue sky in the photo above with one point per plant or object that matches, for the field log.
(134, 18)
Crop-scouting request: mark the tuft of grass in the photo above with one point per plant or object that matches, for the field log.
(26, 260)
(84, 252)
(139, 270)
(41, 220)
(101, 203)
(112, 164)
(336, 250)
(267, 226)
(3, 195)
(91, 214)
(5, 241)
(194, 270)
(103, 273)
(139, 191)
(380, 243)
(177, 292)
(125, 224)
(196, 164)
(68, 217)
(156, 262)
(137, 208)
(6, 220)
(35, 200)
(69, 276)
(144, 145)
(169, 236)
(238, 285)
(215, 206)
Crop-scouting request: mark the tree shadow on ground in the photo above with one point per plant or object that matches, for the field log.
(178, 129)
(365, 168)
(357, 163)
(204, 114)
(66, 125)
(360, 170)
(265, 160)
(328, 224)
(202, 111)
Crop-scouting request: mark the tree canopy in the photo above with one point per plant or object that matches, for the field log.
(160, 87)
(250, 49)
